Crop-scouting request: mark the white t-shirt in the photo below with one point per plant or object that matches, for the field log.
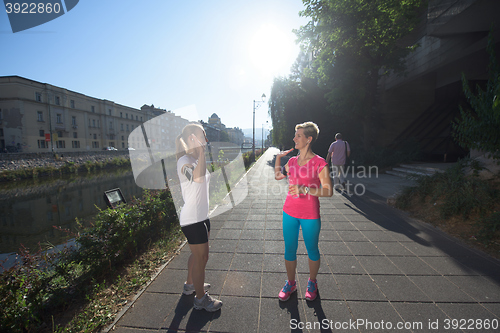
(195, 194)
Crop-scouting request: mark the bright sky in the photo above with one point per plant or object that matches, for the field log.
(217, 55)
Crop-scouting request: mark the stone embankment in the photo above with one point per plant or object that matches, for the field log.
(16, 161)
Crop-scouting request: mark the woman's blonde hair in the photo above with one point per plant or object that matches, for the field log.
(181, 146)
(310, 129)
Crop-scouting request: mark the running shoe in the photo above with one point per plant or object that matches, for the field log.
(312, 290)
(287, 290)
(207, 303)
(189, 288)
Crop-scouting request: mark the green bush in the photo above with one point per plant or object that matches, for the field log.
(249, 158)
(44, 283)
(456, 193)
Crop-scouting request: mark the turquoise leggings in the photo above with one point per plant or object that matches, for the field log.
(310, 232)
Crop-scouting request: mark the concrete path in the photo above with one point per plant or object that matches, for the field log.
(381, 271)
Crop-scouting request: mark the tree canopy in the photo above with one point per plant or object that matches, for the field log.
(352, 43)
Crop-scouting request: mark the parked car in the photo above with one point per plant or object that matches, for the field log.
(109, 148)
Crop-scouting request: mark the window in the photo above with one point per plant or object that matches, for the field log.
(127, 127)
(60, 134)
(110, 125)
(123, 145)
(75, 144)
(111, 136)
(92, 108)
(75, 135)
(38, 97)
(72, 103)
(136, 118)
(98, 124)
(126, 115)
(109, 111)
(111, 143)
(41, 144)
(121, 114)
(73, 121)
(121, 126)
(60, 144)
(141, 118)
(42, 133)
(95, 144)
(95, 136)
(57, 100)
(93, 122)
(39, 115)
(123, 138)
(59, 118)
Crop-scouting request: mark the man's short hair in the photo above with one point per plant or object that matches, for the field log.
(338, 136)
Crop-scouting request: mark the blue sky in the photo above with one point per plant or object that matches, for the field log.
(216, 55)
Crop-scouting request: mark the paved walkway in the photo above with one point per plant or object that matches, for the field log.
(379, 269)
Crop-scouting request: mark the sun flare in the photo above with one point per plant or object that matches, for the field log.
(272, 51)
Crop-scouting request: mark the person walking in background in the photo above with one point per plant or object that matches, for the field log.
(309, 178)
(339, 151)
(195, 224)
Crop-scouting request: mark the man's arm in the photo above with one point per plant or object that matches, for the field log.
(328, 157)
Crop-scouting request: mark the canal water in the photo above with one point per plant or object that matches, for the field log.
(29, 210)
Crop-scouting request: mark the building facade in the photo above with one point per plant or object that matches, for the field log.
(39, 117)
(166, 127)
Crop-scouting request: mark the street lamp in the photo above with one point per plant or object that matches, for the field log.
(254, 106)
(263, 134)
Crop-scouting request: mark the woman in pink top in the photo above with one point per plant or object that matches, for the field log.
(309, 179)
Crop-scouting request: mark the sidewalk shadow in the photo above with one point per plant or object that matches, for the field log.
(402, 226)
(320, 314)
(395, 220)
(292, 306)
(197, 320)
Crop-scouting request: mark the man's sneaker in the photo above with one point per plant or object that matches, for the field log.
(207, 303)
(287, 290)
(189, 288)
(312, 290)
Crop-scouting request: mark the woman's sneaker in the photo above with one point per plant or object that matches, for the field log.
(287, 290)
(312, 290)
(189, 288)
(207, 303)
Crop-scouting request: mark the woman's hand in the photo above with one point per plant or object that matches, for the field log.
(295, 190)
(278, 174)
(284, 153)
(199, 147)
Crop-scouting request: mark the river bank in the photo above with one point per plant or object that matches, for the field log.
(17, 161)
(18, 166)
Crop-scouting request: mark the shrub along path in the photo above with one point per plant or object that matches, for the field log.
(380, 270)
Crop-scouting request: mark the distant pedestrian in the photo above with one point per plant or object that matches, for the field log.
(339, 151)
(309, 178)
(195, 224)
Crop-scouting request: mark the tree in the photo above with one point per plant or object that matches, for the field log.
(478, 128)
(354, 43)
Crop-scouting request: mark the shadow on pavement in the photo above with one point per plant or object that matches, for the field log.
(320, 314)
(198, 319)
(292, 306)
